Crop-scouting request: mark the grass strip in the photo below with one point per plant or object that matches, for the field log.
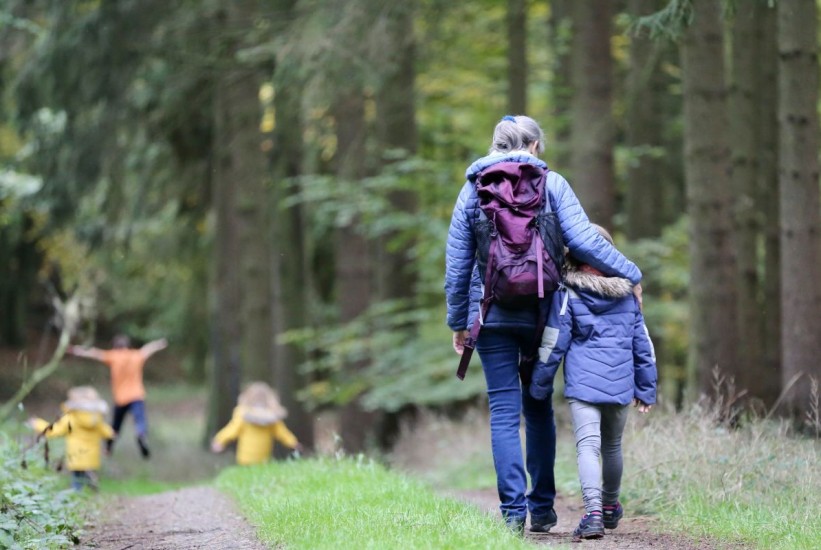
(355, 503)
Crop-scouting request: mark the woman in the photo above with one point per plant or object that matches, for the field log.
(507, 333)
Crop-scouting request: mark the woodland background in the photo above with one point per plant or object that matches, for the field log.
(268, 184)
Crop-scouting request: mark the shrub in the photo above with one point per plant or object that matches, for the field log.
(36, 511)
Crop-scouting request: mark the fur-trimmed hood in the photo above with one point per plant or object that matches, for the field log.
(598, 292)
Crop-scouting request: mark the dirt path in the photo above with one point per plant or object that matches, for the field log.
(636, 533)
(192, 518)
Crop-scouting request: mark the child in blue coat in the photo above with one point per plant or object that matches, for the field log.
(595, 324)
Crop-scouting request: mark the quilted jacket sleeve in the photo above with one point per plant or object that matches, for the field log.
(644, 362)
(555, 342)
(460, 255)
(581, 237)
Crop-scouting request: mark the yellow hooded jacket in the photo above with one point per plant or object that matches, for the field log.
(84, 432)
(254, 441)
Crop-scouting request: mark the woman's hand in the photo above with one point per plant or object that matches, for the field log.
(217, 447)
(641, 406)
(459, 338)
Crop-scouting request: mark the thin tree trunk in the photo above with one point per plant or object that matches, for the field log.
(744, 105)
(768, 203)
(290, 264)
(396, 125)
(799, 193)
(561, 82)
(517, 56)
(226, 297)
(353, 263)
(709, 198)
(647, 168)
(592, 132)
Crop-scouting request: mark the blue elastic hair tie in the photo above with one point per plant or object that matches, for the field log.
(508, 117)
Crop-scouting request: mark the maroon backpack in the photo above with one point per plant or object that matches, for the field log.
(519, 245)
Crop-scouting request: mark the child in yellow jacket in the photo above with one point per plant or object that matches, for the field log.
(256, 423)
(83, 427)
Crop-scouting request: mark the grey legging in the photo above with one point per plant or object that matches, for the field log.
(598, 430)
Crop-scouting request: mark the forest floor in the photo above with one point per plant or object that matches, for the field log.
(191, 518)
(202, 517)
(636, 533)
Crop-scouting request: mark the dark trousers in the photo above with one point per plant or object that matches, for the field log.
(137, 410)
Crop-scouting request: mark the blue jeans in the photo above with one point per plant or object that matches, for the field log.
(499, 350)
(137, 409)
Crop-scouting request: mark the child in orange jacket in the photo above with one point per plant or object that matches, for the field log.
(256, 423)
(85, 429)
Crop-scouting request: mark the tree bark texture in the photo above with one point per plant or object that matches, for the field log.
(290, 288)
(744, 136)
(396, 124)
(799, 193)
(517, 57)
(225, 375)
(647, 170)
(592, 129)
(354, 285)
(768, 202)
(561, 84)
(709, 197)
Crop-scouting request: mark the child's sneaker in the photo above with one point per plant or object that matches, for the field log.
(590, 527)
(543, 524)
(611, 514)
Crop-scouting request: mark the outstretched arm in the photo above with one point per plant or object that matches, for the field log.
(153, 347)
(88, 353)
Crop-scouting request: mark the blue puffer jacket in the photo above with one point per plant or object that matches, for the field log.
(462, 283)
(595, 323)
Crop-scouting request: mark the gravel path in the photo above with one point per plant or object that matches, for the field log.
(196, 517)
(636, 533)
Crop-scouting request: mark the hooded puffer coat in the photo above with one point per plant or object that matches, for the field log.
(254, 435)
(596, 325)
(463, 286)
(84, 432)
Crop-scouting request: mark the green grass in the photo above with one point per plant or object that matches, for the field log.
(758, 485)
(327, 503)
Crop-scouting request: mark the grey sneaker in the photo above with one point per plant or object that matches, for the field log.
(543, 524)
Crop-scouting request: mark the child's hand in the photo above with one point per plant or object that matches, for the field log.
(31, 422)
(217, 447)
(641, 406)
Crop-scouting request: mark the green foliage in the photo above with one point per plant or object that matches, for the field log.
(665, 264)
(403, 371)
(35, 510)
(364, 506)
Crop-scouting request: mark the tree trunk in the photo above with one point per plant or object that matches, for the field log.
(799, 193)
(224, 380)
(517, 57)
(744, 105)
(353, 263)
(592, 130)
(396, 125)
(561, 83)
(646, 181)
(768, 204)
(290, 264)
(709, 198)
